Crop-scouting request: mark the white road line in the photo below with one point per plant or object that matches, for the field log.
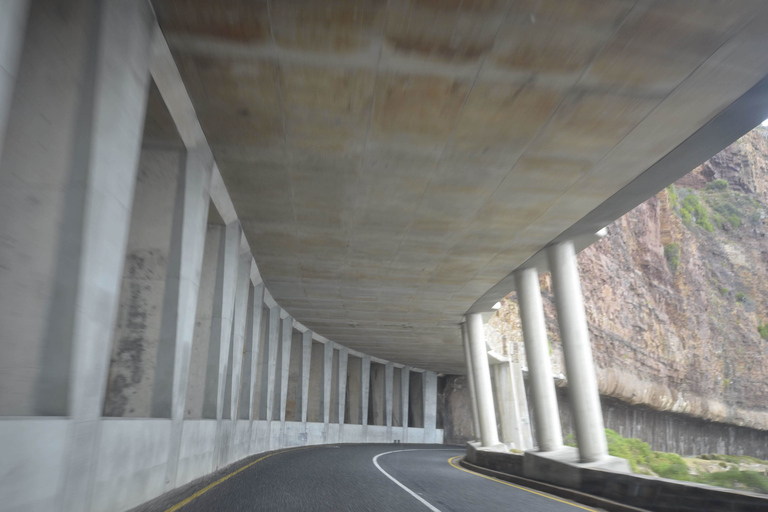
(425, 502)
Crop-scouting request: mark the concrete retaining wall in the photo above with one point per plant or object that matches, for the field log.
(631, 491)
(132, 457)
(671, 432)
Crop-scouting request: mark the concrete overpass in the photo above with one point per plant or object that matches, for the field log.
(229, 227)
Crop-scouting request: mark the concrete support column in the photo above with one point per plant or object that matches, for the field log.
(471, 380)
(377, 394)
(430, 407)
(327, 390)
(306, 364)
(389, 396)
(343, 360)
(13, 23)
(67, 172)
(256, 355)
(521, 402)
(239, 325)
(221, 335)
(509, 406)
(545, 412)
(365, 381)
(274, 334)
(183, 278)
(482, 376)
(285, 370)
(579, 366)
(405, 385)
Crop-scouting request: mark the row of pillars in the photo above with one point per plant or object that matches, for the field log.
(579, 366)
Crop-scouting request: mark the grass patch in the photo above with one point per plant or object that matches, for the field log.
(736, 479)
(717, 185)
(670, 465)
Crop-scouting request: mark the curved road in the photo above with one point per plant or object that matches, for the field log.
(403, 478)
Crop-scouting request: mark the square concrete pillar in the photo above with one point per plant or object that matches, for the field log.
(327, 386)
(274, 334)
(343, 360)
(306, 362)
(13, 24)
(67, 174)
(183, 278)
(389, 369)
(365, 382)
(405, 386)
(430, 408)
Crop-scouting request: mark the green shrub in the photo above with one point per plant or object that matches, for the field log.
(669, 465)
(695, 210)
(763, 330)
(635, 451)
(733, 478)
(672, 254)
(717, 185)
(735, 221)
(740, 297)
(727, 209)
(722, 290)
(685, 215)
(673, 198)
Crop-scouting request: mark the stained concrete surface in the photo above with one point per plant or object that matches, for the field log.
(343, 477)
(393, 161)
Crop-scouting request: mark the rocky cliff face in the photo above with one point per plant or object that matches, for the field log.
(677, 295)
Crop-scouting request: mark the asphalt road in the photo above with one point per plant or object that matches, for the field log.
(402, 478)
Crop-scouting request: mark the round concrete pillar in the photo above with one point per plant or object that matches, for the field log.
(471, 380)
(579, 366)
(485, 409)
(548, 432)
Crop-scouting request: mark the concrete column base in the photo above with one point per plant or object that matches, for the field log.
(563, 467)
(501, 447)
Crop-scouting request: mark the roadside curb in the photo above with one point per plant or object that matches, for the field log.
(562, 492)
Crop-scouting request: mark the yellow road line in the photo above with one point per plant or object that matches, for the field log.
(227, 477)
(450, 461)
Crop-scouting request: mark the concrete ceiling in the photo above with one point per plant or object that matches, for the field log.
(393, 161)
